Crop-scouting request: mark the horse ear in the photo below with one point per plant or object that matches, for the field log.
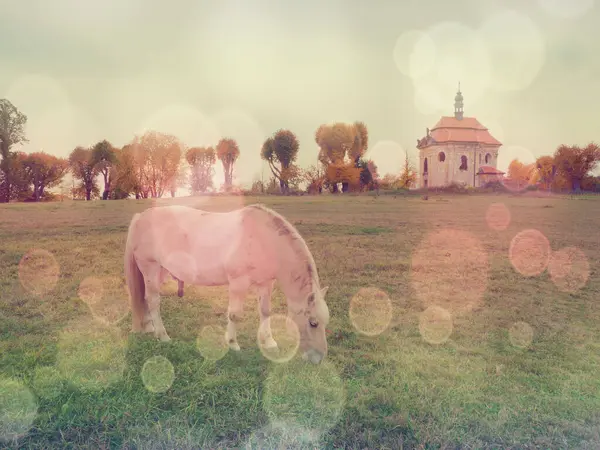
(324, 291)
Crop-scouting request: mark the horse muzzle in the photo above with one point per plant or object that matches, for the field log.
(313, 356)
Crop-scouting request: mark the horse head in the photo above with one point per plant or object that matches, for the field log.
(312, 321)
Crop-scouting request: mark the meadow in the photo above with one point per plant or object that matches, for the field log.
(463, 321)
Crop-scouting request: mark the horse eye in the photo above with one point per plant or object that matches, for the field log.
(313, 323)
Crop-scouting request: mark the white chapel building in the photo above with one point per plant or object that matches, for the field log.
(458, 149)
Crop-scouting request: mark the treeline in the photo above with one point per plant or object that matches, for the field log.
(568, 169)
(155, 164)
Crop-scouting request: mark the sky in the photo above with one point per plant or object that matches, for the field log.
(83, 71)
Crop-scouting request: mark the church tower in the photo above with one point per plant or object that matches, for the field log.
(458, 104)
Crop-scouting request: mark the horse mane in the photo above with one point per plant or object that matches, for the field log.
(287, 230)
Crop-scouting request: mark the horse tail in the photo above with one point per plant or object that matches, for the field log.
(135, 280)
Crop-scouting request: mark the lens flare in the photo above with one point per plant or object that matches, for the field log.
(106, 297)
(38, 272)
(286, 334)
(158, 374)
(414, 53)
(47, 382)
(520, 334)
(18, 409)
(529, 252)
(211, 342)
(497, 216)
(304, 395)
(435, 325)
(450, 269)
(569, 269)
(91, 355)
(370, 311)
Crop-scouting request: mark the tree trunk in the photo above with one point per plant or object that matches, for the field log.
(106, 192)
(88, 194)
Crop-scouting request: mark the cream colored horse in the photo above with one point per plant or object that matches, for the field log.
(249, 247)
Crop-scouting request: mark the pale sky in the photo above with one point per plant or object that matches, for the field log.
(84, 70)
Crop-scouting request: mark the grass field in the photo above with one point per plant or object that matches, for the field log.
(436, 339)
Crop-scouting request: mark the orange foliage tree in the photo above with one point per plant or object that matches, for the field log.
(574, 163)
(201, 161)
(44, 171)
(522, 174)
(341, 147)
(228, 152)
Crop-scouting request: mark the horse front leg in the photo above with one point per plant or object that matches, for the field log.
(264, 303)
(152, 320)
(237, 294)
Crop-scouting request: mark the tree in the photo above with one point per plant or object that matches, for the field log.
(408, 177)
(12, 132)
(522, 174)
(341, 147)
(19, 187)
(157, 158)
(574, 163)
(103, 157)
(44, 171)
(315, 178)
(546, 169)
(123, 174)
(228, 152)
(281, 151)
(84, 169)
(201, 161)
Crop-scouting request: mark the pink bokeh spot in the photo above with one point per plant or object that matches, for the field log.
(569, 269)
(450, 269)
(498, 216)
(529, 252)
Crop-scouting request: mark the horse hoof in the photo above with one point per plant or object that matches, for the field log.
(164, 338)
(235, 347)
(270, 344)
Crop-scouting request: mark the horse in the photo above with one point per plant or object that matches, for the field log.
(250, 247)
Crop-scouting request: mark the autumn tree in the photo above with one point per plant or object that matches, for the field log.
(408, 176)
(281, 151)
(84, 169)
(19, 186)
(124, 176)
(341, 147)
(574, 163)
(201, 161)
(12, 132)
(44, 171)
(228, 152)
(546, 169)
(156, 159)
(522, 174)
(104, 158)
(314, 176)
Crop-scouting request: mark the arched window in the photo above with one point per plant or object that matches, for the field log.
(425, 166)
(463, 163)
(488, 158)
(441, 157)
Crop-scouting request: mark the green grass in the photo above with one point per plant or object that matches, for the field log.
(71, 375)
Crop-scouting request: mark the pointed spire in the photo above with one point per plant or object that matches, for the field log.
(458, 104)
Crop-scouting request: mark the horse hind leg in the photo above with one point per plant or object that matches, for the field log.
(264, 303)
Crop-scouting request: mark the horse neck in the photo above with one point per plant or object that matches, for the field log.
(294, 277)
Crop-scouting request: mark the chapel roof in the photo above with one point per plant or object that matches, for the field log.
(458, 129)
(489, 170)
